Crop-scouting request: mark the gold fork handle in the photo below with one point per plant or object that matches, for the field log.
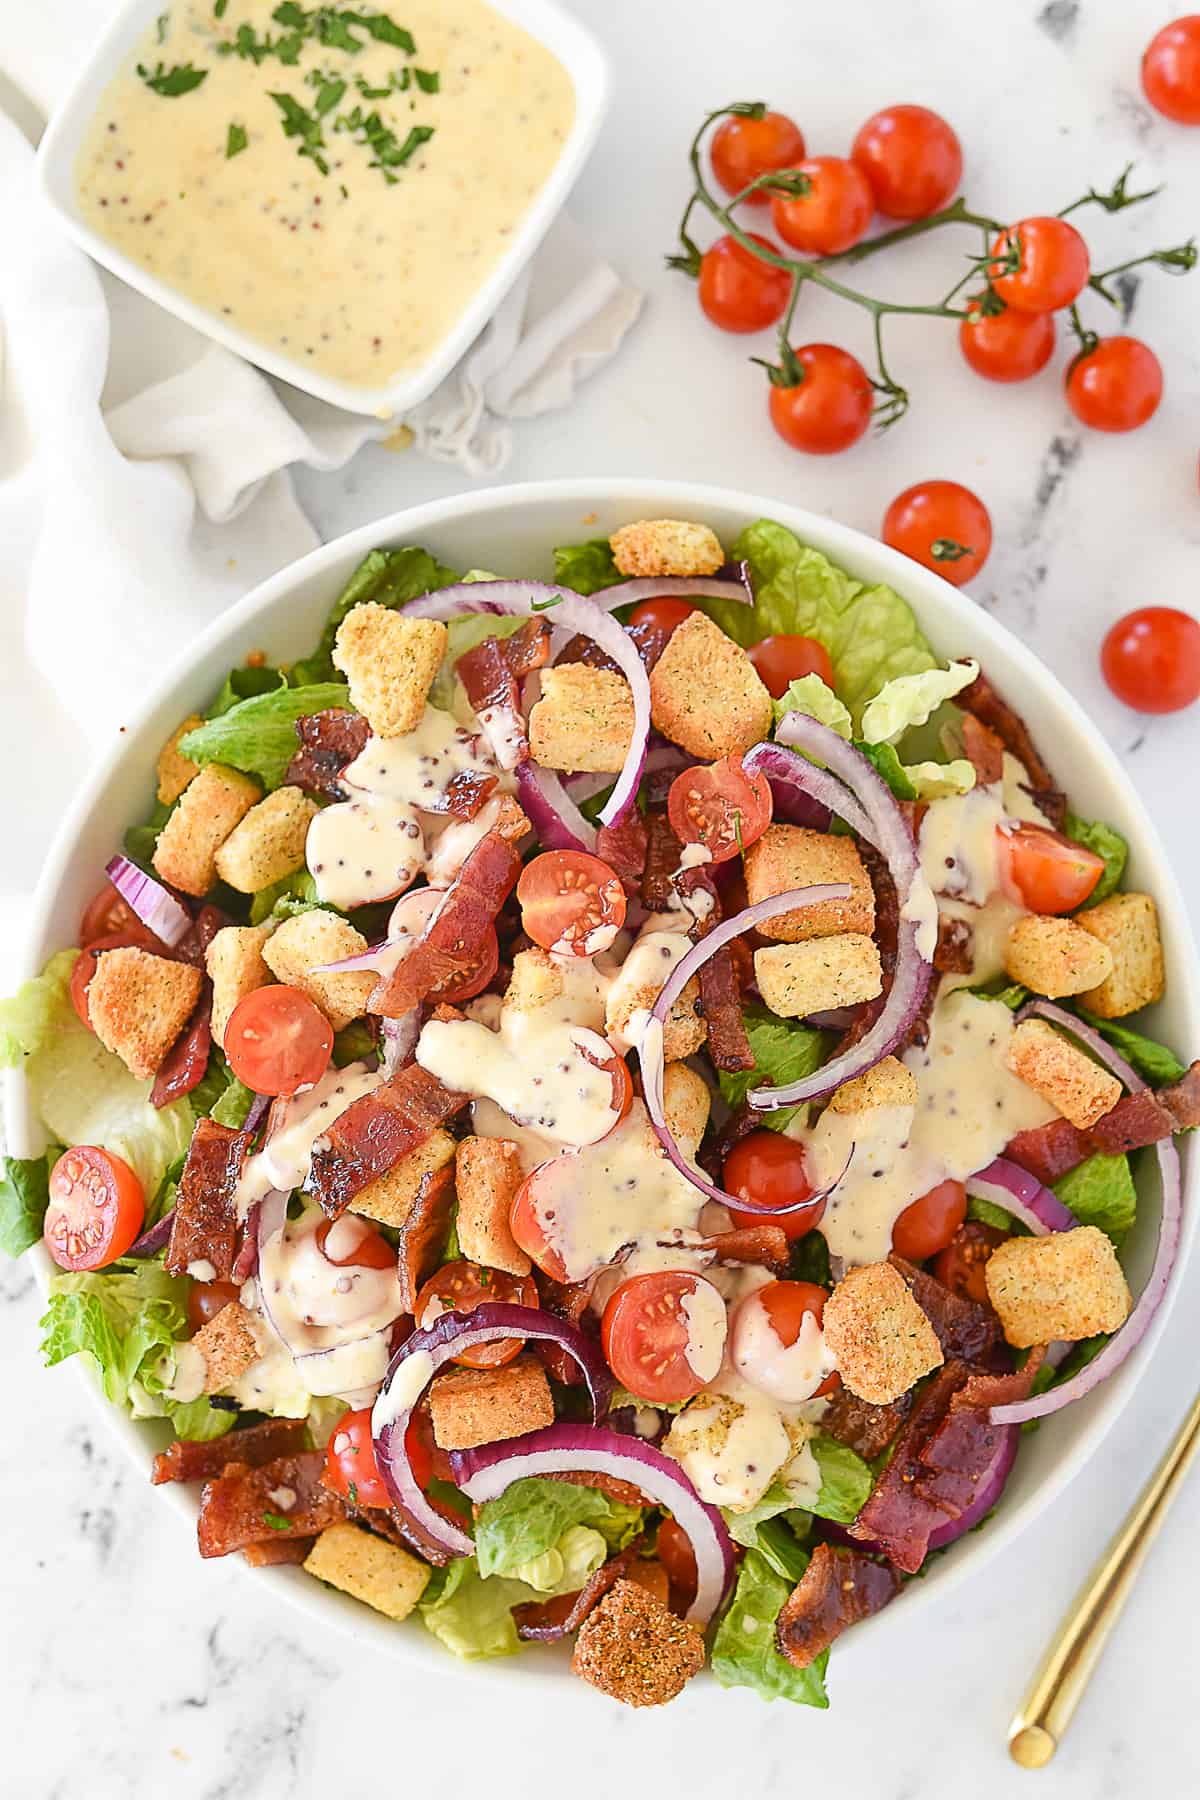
(1066, 1668)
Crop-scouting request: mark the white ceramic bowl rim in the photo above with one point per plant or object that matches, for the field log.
(534, 517)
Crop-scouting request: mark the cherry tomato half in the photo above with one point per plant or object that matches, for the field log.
(768, 1169)
(743, 149)
(721, 806)
(1049, 872)
(665, 613)
(107, 915)
(277, 1041)
(829, 408)
(646, 1335)
(786, 1304)
(787, 658)
(570, 902)
(1151, 659)
(1008, 345)
(461, 1287)
(1052, 265)
(833, 215)
(928, 1225)
(912, 159)
(1115, 387)
(740, 292)
(943, 525)
(1171, 70)
(97, 1206)
(356, 1244)
(533, 1208)
(960, 1265)
(675, 1553)
(350, 1466)
(207, 1298)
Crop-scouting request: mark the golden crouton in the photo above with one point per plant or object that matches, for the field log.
(228, 1345)
(209, 808)
(882, 1340)
(1128, 924)
(368, 1568)
(175, 770)
(1066, 1285)
(889, 1083)
(666, 547)
(584, 719)
(139, 1003)
(705, 693)
(390, 662)
(269, 842)
(789, 856)
(798, 979)
(1061, 1072)
(686, 1105)
(235, 962)
(483, 1406)
(296, 950)
(389, 1198)
(1055, 957)
(535, 980)
(628, 1000)
(634, 1649)
(487, 1174)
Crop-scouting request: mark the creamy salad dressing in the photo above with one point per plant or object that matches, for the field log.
(733, 1441)
(335, 1319)
(418, 767)
(707, 1327)
(366, 849)
(787, 1374)
(358, 277)
(549, 1076)
(658, 950)
(285, 1159)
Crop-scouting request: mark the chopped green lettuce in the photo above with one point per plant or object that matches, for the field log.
(24, 1196)
(887, 765)
(934, 780)
(586, 567)
(471, 1617)
(1154, 1062)
(744, 1652)
(780, 1542)
(245, 684)
(783, 1051)
(284, 899)
(846, 1480)
(40, 1006)
(220, 1095)
(809, 694)
(565, 1566)
(986, 1212)
(259, 735)
(140, 840)
(389, 578)
(529, 1518)
(909, 700)
(1101, 1192)
(1103, 840)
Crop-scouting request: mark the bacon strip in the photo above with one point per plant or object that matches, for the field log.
(479, 890)
(965, 1443)
(253, 1445)
(465, 794)
(954, 952)
(750, 1244)
(648, 640)
(329, 742)
(491, 673)
(205, 1223)
(838, 1588)
(280, 1550)
(184, 1065)
(569, 1301)
(862, 1425)
(1049, 1151)
(982, 699)
(663, 850)
(234, 1507)
(984, 750)
(424, 1232)
(721, 1005)
(964, 1329)
(371, 1136)
(194, 943)
(1052, 1150)
(623, 847)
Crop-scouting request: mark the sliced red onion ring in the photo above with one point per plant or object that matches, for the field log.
(555, 817)
(159, 911)
(813, 787)
(411, 914)
(154, 1238)
(584, 785)
(682, 587)
(1170, 1223)
(416, 1363)
(400, 1039)
(1022, 1195)
(485, 1473)
(572, 613)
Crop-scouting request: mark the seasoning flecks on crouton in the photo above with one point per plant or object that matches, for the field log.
(653, 547)
(882, 1340)
(235, 963)
(789, 856)
(535, 981)
(485, 1406)
(634, 1649)
(487, 1174)
(268, 843)
(1055, 957)
(390, 662)
(209, 808)
(369, 1569)
(584, 719)
(705, 693)
(1061, 1072)
(1064, 1286)
(798, 979)
(175, 770)
(139, 1003)
(1128, 924)
(228, 1345)
(889, 1083)
(686, 1105)
(295, 951)
(389, 1198)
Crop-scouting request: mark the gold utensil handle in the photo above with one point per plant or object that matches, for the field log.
(1066, 1668)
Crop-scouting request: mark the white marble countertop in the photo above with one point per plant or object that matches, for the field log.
(133, 1669)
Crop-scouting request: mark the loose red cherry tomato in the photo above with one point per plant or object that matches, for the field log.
(743, 149)
(1049, 872)
(787, 658)
(207, 1298)
(768, 1169)
(355, 1245)
(1151, 659)
(1115, 387)
(740, 292)
(97, 1206)
(830, 407)
(721, 806)
(665, 613)
(675, 1553)
(646, 1335)
(350, 1466)
(1052, 265)
(943, 525)
(786, 1303)
(1008, 345)
(569, 900)
(108, 915)
(835, 212)
(277, 1041)
(1171, 70)
(136, 937)
(461, 1287)
(928, 1225)
(912, 159)
(960, 1265)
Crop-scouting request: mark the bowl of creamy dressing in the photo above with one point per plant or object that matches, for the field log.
(512, 531)
(342, 195)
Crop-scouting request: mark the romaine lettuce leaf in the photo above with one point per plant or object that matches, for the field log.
(244, 684)
(1154, 1062)
(934, 780)
(472, 1617)
(909, 700)
(887, 765)
(40, 1006)
(259, 735)
(743, 1651)
(1101, 1192)
(1103, 840)
(24, 1195)
(531, 1516)
(586, 567)
(284, 899)
(846, 1480)
(389, 578)
(810, 695)
(565, 1567)
(783, 1051)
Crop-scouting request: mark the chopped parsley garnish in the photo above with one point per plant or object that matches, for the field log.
(219, 8)
(428, 80)
(352, 1493)
(160, 26)
(299, 122)
(388, 152)
(276, 1521)
(329, 91)
(181, 78)
(235, 141)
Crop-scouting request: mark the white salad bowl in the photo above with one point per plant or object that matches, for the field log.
(512, 531)
(58, 154)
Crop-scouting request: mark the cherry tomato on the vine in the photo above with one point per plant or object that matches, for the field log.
(665, 612)
(1171, 70)
(1116, 386)
(97, 1205)
(830, 407)
(1007, 345)
(768, 1168)
(743, 149)
(1151, 659)
(1049, 265)
(787, 658)
(740, 292)
(943, 525)
(912, 159)
(835, 212)
(277, 1041)
(720, 805)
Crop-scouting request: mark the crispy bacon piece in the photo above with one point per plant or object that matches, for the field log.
(984, 750)
(184, 1065)
(721, 1005)
(1182, 1099)
(397, 1525)
(549, 1620)
(569, 1301)
(375, 1132)
(424, 1232)
(954, 952)
(279, 1550)
(186, 1460)
(862, 1425)
(205, 1223)
(478, 892)
(982, 699)
(648, 640)
(1050, 1151)
(623, 1493)
(234, 1507)
(663, 850)
(1135, 1120)
(466, 793)
(838, 1588)
(964, 1329)
(964, 1444)
(623, 848)
(491, 673)
(750, 1244)
(194, 943)
(528, 648)
(329, 741)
